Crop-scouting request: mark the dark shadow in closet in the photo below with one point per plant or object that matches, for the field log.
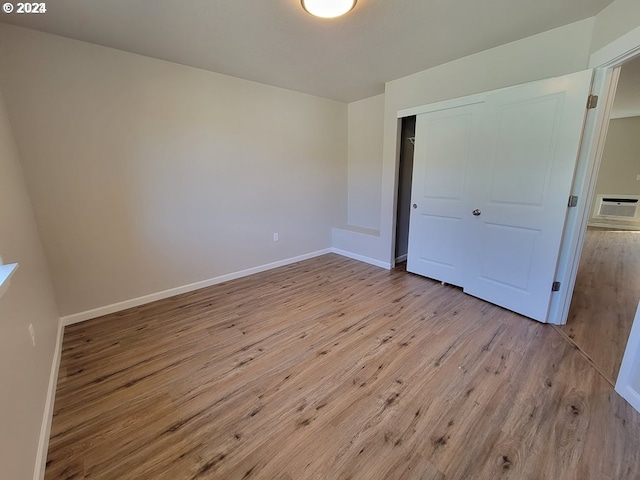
(405, 171)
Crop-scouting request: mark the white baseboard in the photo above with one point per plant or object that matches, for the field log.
(135, 302)
(362, 258)
(401, 258)
(613, 226)
(45, 429)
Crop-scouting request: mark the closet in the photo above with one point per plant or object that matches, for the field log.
(491, 182)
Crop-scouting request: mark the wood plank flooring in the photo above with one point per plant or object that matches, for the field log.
(605, 297)
(333, 369)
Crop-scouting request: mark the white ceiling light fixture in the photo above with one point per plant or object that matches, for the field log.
(328, 8)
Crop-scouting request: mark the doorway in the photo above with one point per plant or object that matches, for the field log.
(607, 285)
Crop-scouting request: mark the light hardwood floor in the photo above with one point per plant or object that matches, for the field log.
(605, 297)
(333, 369)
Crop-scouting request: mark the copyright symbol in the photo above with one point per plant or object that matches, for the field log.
(7, 7)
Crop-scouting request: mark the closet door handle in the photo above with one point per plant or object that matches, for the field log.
(415, 205)
(477, 212)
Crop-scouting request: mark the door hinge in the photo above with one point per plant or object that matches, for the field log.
(573, 201)
(555, 286)
(592, 101)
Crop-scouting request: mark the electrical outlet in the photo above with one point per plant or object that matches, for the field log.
(637, 178)
(275, 237)
(32, 332)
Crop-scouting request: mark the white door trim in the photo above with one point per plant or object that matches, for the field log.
(627, 384)
(445, 104)
(618, 51)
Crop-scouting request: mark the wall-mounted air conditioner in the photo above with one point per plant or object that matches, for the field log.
(620, 207)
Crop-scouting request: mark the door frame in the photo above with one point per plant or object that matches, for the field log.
(607, 63)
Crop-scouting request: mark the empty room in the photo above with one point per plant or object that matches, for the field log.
(313, 239)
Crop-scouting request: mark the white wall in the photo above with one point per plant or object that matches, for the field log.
(618, 18)
(553, 53)
(620, 165)
(147, 175)
(627, 98)
(24, 369)
(366, 127)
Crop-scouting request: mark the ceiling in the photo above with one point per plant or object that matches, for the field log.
(627, 100)
(277, 43)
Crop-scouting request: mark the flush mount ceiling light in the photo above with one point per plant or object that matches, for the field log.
(328, 8)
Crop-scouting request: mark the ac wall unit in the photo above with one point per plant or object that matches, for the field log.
(624, 207)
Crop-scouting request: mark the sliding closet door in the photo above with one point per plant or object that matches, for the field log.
(491, 183)
(530, 140)
(445, 143)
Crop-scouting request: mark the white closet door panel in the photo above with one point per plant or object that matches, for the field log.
(521, 160)
(510, 264)
(523, 174)
(445, 141)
